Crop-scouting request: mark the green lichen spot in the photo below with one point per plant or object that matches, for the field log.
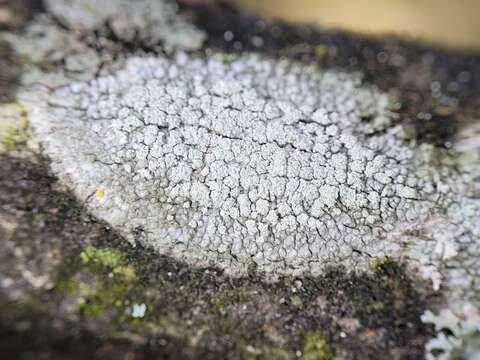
(316, 348)
(10, 140)
(14, 127)
(108, 258)
(103, 284)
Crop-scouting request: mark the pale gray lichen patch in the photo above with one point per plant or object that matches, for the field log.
(43, 46)
(258, 160)
(99, 38)
(148, 21)
(238, 160)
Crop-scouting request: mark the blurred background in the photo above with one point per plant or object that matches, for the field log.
(447, 23)
(452, 24)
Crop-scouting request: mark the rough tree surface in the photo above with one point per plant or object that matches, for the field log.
(243, 160)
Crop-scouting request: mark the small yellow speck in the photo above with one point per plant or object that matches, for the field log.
(100, 193)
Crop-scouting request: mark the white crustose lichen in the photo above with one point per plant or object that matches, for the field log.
(152, 22)
(235, 161)
(231, 161)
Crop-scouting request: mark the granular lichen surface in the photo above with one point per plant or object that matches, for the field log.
(234, 161)
(245, 162)
(240, 161)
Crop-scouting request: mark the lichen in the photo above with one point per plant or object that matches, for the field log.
(14, 127)
(239, 161)
(252, 160)
(109, 258)
(458, 337)
(316, 348)
(103, 282)
(203, 307)
(261, 183)
(148, 21)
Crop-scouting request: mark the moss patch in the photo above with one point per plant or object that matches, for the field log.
(103, 284)
(14, 127)
(108, 259)
(316, 348)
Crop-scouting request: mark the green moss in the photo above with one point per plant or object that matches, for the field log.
(316, 348)
(103, 284)
(66, 286)
(91, 309)
(15, 136)
(11, 138)
(106, 298)
(108, 259)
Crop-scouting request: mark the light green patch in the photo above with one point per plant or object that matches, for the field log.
(102, 284)
(108, 258)
(14, 126)
(103, 298)
(316, 348)
(91, 309)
